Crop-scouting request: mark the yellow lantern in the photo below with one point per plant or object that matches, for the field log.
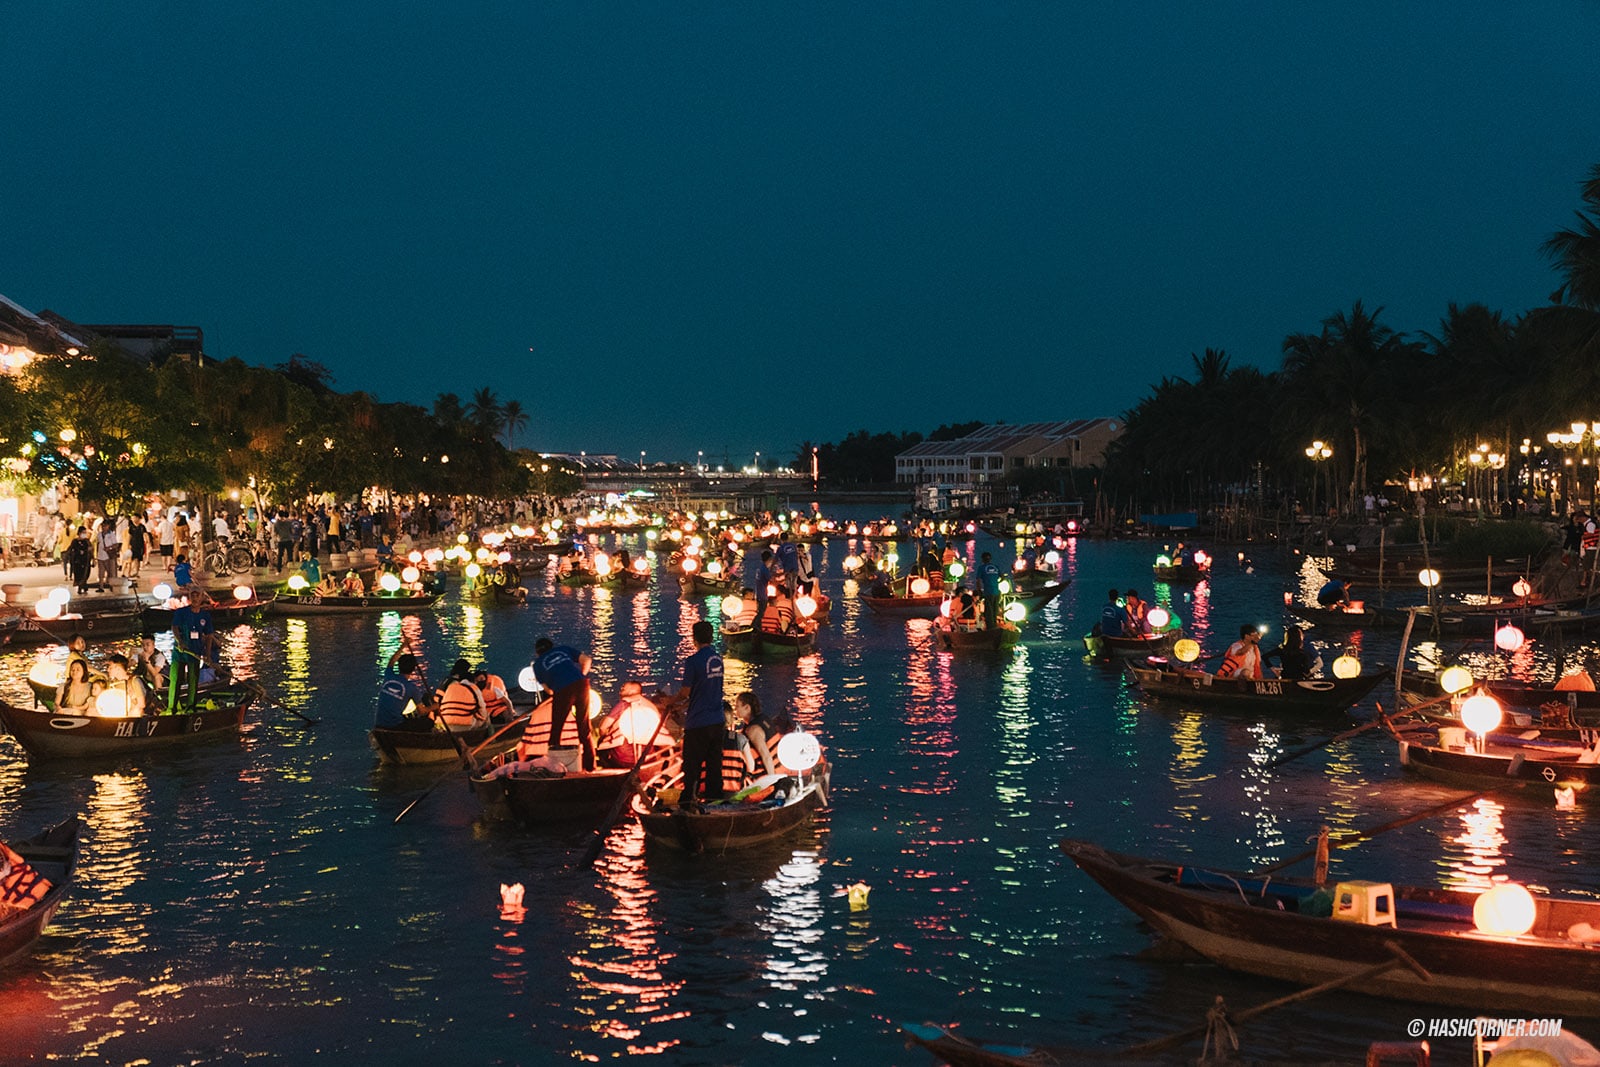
(1455, 679)
(1346, 666)
(1504, 910)
(1186, 650)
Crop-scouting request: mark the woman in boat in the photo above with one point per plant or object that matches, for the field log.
(461, 704)
(351, 586)
(1137, 610)
(135, 697)
(76, 691)
(1294, 660)
(761, 728)
(326, 587)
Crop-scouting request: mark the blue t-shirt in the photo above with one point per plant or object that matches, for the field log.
(393, 696)
(702, 676)
(183, 574)
(558, 668)
(1113, 619)
(989, 579)
(789, 556)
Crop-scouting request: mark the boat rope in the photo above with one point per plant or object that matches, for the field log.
(1220, 1035)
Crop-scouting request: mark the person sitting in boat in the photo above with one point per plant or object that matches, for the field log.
(328, 586)
(762, 728)
(78, 649)
(311, 571)
(461, 703)
(76, 691)
(351, 586)
(400, 694)
(496, 698)
(1243, 658)
(881, 588)
(1138, 614)
(1114, 619)
(21, 884)
(135, 697)
(1293, 658)
(1183, 556)
(611, 748)
(964, 614)
(779, 617)
(738, 761)
(150, 663)
(1334, 594)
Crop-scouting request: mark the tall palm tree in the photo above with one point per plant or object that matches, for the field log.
(514, 418)
(1572, 325)
(485, 413)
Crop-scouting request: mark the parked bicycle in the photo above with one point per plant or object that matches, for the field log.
(235, 556)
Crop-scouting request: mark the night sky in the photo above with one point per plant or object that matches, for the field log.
(731, 227)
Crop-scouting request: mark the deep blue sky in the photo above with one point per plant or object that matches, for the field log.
(734, 226)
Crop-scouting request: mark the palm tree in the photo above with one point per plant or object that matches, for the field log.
(1572, 326)
(514, 418)
(485, 413)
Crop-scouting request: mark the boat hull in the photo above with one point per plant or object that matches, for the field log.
(717, 831)
(411, 748)
(1120, 647)
(954, 639)
(44, 734)
(36, 631)
(906, 607)
(1542, 767)
(742, 643)
(311, 604)
(54, 854)
(529, 800)
(1310, 695)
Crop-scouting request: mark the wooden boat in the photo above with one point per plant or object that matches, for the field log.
(411, 748)
(1108, 648)
(224, 612)
(29, 629)
(1523, 702)
(1181, 573)
(957, 638)
(636, 579)
(741, 641)
(1034, 599)
(54, 854)
(1254, 925)
(1307, 696)
(698, 583)
(1521, 758)
(729, 825)
(925, 606)
(575, 579)
(1368, 618)
(313, 604)
(46, 735)
(529, 797)
(957, 1051)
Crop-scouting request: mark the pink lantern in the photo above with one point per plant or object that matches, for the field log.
(1508, 638)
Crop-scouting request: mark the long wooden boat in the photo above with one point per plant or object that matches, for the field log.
(1253, 925)
(509, 790)
(1307, 696)
(730, 825)
(313, 604)
(1524, 703)
(227, 612)
(1111, 648)
(1034, 599)
(32, 630)
(44, 734)
(1508, 759)
(54, 854)
(1181, 573)
(1368, 618)
(953, 638)
(741, 641)
(925, 606)
(698, 583)
(412, 748)
(575, 579)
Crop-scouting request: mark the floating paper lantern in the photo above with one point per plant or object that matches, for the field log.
(920, 586)
(1346, 666)
(1480, 713)
(1455, 679)
(1504, 910)
(799, 751)
(1158, 618)
(1187, 650)
(1508, 638)
(732, 605)
(390, 583)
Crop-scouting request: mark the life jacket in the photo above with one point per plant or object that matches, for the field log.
(461, 707)
(23, 886)
(778, 617)
(495, 699)
(1236, 662)
(734, 770)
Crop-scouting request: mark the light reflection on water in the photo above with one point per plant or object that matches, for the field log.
(247, 879)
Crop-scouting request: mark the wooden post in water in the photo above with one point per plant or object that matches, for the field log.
(1382, 532)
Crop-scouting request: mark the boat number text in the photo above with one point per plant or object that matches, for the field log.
(1271, 689)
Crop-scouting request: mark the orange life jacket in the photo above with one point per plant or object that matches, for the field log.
(777, 618)
(23, 887)
(733, 770)
(495, 700)
(461, 707)
(1236, 663)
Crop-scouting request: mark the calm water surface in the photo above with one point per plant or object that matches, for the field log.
(253, 899)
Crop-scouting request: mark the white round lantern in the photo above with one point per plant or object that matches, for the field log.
(1508, 638)
(1504, 910)
(799, 751)
(1480, 713)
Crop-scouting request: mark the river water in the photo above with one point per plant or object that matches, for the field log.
(253, 899)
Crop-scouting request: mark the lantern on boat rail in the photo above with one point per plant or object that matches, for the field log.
(1052, 557)
(1016, 611)
(1480, 713)
(805, 606)
(1505, 909)
(48, 670)
(527, 680)
(1428, 577)
(690, 564)
(920, 586)
(642, 566)
(1158, 618)
(638, 722)
(389, 583)
(410, 574)
(242, 593)
(957, 569)
(1346, 666)
(1508, 638)
(414, 556)
(1521, 589)
(48, 609)
(713, 567)
(602, 564)
(1187, 650)
(799, 751)
(112, 703)
(297, 583)
(732, 605)
(1455, 679)
(1005, 586)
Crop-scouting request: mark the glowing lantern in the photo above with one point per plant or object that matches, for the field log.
(1346, 666)
(732, 605)
(1504, 910)
(47, 609)
(806, 606)
(1567, 799)
(1455, 679)
(297, 582)
(1480, 713)
(1200, 558)
(526, 679)
(410, 574)
(1163, 561)
(1052, 557)
(47, 671)
(920, 586)
(1016, 611)
(504, 557)
(858, 896)
(390, 583)
(61, 594)
(851, 563)
(957, 569)
(602, 564)
(414, 556)
(690, 564)
(1022, 527)
(433, 555)
(892, 559)
(714, 567)
(1018, 564)
(1005, 586)
(111, 704)
(1288, 598)
(1522, 588)
(772, 590)
(799, 751)
(473, 570)
(1428, 577)
(944, 608)
(243, 592)
(461, 539)
(638, 722)
(596, 708)
(481, 555)
(1508, 638)
(1158, 618)
(1187, 650)
(1072, 526)
(642, 565)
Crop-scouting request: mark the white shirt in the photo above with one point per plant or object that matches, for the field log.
(165, 531)
(219, 526)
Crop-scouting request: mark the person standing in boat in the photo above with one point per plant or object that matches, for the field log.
(700, 694)
(80, 557)
(400, 694)
(564, 671)
(989, 589)
(1243, 658)
(789, 560)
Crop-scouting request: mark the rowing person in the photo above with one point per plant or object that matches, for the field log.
(400, 694)
(564, 671)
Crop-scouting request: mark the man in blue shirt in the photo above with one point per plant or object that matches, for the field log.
(1113, 617)
(704, 720)
(789, 559)
(565, 672)
(989, 586)
(399, 691)
(763, 581)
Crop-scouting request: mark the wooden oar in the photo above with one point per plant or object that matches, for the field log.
(1365, 835)
(261, 694)
(1400, 959)
(592, 853)
(451, 773)
(1325, 742)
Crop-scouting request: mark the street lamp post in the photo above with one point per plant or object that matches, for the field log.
(641, 459)
(1318, 452)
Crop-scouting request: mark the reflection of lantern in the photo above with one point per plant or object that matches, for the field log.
(1504, 910)
(390, 583)
(1346, 666)
(47, 609)
(1521, 588)
(920, 586)
(1480, 713)
(243, 592)
(1016, 611)
(1508, 638)
(297, 582)
(410, 574)
(799, 751)
(473, 570)
(806, 606)
(858, 894)
(1455, 679)
(111, 704)
(732, 605)
(1428, 577)
(526, 679)
(1187, 650)
(638, 722)
(1158, 618)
